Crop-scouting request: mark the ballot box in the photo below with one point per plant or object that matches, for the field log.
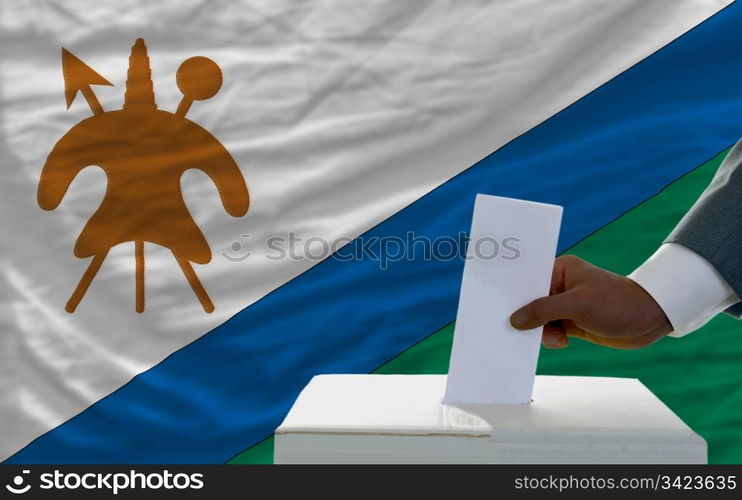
(401, 419)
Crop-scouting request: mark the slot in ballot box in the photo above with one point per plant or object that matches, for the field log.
(401, 419)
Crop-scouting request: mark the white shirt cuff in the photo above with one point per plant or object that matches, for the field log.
(687, 288)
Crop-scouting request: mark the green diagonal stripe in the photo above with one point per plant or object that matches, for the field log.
(696, 376)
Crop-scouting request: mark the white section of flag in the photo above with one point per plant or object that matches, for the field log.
(339, 114)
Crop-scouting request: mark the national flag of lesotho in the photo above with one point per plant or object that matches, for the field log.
(206, 227)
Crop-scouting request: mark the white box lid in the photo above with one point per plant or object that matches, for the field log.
(563, 409)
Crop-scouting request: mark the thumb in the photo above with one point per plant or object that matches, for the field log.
(541, 311)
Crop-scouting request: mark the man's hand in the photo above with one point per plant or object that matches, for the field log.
(596, 305)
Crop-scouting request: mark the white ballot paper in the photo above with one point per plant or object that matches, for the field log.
(510, 257)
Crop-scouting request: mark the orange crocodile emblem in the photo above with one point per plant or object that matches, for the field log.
(144, 151)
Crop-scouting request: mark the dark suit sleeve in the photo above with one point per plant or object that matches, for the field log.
(713, 226)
